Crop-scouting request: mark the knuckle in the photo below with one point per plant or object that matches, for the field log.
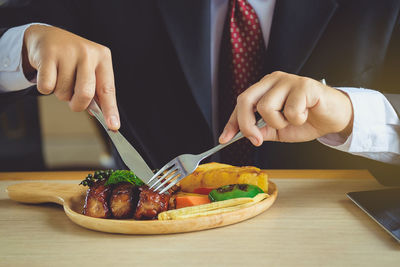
(242, 99)
(305, 82)
(85, 94)
(88, 51)
(264, 108)
(265, 77)
(85, 55)
(278, 73)
(290, 112)
(85, 47)
(105, 51)
(293, 115)
(107, 89)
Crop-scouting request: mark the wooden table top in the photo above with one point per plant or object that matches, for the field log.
(311, 223)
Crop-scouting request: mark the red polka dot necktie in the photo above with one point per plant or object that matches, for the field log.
(241, 64)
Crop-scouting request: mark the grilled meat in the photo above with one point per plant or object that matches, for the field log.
(172, 196)
(123, 200)
(150, 204)
(174, 189)
(96, 202)
(172, 202)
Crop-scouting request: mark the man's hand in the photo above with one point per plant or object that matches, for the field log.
(76, 70)
(296, 109)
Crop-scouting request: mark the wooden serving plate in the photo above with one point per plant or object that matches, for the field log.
(71, 197)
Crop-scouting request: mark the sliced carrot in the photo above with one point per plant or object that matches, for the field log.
(190, 200)
(203, 190)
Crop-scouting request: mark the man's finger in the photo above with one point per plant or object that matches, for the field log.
(271, 104)
(47, 77)
(66, 72)
(231, 128)
(85, 87)
(246, 104)
(105, 90)
(295, 109)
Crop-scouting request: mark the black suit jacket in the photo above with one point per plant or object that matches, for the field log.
(161, 57)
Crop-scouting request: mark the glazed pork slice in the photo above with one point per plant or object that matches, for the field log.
(123, 200)
(96, 202)
(150, 203)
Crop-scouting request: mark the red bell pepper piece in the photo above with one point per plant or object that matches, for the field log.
(203, 190)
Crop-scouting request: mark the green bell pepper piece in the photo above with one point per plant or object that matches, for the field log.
(234, 191)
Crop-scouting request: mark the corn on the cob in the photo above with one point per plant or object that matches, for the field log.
(212, 208)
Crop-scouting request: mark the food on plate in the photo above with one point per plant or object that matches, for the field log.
(123, 200)
(188, 199)
(211, 208)
(234, 191)
(96, 202)
(215, 175)
(121, 194)
(150, 203)
(118, 176)
(203, 190)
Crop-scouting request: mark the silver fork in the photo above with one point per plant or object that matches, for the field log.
(185, 164)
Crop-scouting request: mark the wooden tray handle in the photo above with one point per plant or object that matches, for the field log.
(43, 192)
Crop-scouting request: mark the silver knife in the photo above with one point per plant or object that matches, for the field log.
(128, 153)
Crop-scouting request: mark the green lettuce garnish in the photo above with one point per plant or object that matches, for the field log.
(124, 176)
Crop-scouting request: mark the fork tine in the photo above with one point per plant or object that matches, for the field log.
(171, 184)
(166, 166)
(175, 175)
(162, 177)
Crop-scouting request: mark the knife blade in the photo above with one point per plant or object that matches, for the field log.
(128, 153)
(130, 156)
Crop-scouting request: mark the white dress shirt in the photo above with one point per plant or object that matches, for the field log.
(376, 127)
(12, 77)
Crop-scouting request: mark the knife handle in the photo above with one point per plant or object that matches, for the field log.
(96, 111)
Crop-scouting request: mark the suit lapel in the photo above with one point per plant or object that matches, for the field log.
(188, 24)
(296, 28)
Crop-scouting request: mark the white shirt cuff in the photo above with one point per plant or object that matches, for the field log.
(12, 76)
(376, 127)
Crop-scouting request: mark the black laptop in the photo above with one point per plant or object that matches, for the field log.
(381, 205)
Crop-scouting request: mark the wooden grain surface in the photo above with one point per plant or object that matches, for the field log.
(312, 223)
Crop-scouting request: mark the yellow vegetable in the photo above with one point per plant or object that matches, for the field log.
(216, 175)
(211, 208)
